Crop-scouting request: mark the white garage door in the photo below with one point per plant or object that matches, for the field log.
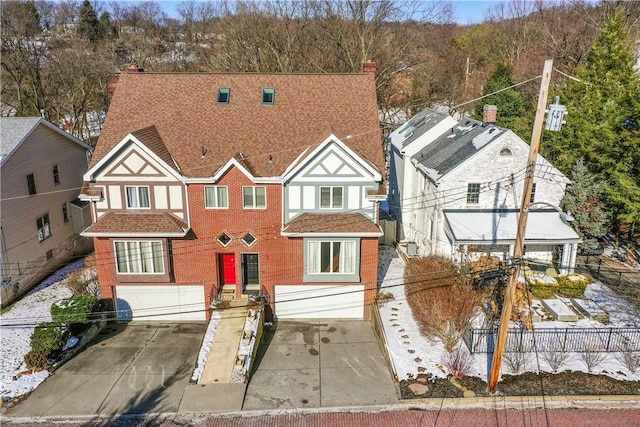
(160, 303)
(318, 302)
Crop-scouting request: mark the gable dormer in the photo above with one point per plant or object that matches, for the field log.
(331, 179)
(138, 175)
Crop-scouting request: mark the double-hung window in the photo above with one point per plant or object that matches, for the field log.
(216, 197)
(44, 227)
(139, 257)
(328, 257)
(31, 184)
(254, 197)
(473, 193)
(65, 212)
(331, 197)
(56, 175)
(138, 197)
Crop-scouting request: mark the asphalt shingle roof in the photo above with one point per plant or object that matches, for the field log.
(150, 137)
(13, 130)
(334, 223)
(188, 120)
(451, 149)
(133, 223)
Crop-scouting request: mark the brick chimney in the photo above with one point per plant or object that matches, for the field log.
(134, 68)
(489, 114)
(369, 67)
(112, 83)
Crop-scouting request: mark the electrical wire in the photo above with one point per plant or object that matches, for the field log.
(112, 314)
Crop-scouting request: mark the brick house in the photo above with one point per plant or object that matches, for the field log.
(207, 187)
(460, 189)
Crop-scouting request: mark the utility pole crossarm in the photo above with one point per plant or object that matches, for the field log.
(518, 249)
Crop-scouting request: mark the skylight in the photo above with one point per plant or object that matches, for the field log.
(224, 93)
(268, 96)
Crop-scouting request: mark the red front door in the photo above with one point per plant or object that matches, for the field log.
(228, 264)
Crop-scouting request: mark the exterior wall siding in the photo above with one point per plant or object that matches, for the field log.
(496, 190)
(24, 256)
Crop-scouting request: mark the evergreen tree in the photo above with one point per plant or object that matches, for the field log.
(603, 124)
(88, 24)
(511, 103)
(106, 26)
(584, 200)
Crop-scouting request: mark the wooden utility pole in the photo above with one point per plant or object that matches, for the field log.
(510, 292)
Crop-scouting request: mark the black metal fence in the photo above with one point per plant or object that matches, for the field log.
(569, 340)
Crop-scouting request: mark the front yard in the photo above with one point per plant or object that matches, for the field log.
(422, 360)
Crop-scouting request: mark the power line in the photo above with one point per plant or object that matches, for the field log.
(29, 321)
(498, 91)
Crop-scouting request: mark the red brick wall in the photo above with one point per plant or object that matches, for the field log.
(195, 258)
(369, 272)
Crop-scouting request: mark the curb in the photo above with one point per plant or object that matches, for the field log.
(622, 402)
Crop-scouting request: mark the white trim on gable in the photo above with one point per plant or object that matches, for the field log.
(129, 139)
(226, 167)
(331, 140)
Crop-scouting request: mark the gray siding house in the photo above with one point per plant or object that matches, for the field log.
(41, 169)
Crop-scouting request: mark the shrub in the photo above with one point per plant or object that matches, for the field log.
(383, 296)
(458, 362)
(442, 304)
(83, 282)
(592, 359)
(517, 361)
(572, 286)
(555, 359)
(73, 309)
(630, 359)
(543, 291)
(36, 360)
(48, 337)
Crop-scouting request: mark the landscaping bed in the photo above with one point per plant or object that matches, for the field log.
(567, 383)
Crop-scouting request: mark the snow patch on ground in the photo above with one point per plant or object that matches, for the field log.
(414, 353)
(16, 327)
(209, 336)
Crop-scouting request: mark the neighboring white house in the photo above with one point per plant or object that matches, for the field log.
(459, 194)
(405, 142)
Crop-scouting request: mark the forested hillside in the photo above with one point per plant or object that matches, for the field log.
(58, 57)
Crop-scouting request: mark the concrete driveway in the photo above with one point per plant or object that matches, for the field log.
(131, 369)
(317, 363)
